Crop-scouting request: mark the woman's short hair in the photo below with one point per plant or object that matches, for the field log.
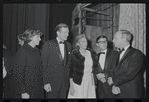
(29, 33)
(77, 39)
(61, 25)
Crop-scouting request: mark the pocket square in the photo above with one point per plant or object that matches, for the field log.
(68, 52)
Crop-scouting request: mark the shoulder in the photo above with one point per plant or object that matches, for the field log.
(68, 44)
(92, 51)
(21, 53)
(113, 52)
(49, 43)
(76, 54)
(21, 50)
(137, 51)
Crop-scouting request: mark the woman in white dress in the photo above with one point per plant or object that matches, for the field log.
(81, 70)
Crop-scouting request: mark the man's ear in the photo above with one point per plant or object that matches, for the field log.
(57, 32)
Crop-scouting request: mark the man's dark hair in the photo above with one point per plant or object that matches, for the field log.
(101, 36)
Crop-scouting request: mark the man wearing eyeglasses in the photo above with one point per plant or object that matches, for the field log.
(106, 59)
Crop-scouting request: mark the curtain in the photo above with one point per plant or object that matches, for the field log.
(133, 18)
(19, 17)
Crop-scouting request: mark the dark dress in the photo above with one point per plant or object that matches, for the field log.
(26, 75)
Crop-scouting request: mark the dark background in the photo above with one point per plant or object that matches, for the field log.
(61, 13)
(17, 17)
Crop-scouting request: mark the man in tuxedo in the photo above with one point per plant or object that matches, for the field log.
(127, 80)
(106, 59)
(56, 55)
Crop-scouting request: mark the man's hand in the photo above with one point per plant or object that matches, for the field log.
(47, 87)
(110, 81)
(100, 75)
(25, 96)
(103, 80)
(115, 90)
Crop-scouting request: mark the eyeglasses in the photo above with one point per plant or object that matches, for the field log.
(101, 42)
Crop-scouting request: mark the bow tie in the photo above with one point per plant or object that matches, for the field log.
(120, 51)
(61, 42)
(101, 52)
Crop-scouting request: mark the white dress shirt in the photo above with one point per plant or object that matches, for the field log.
(121, 55)
(61, 47)
(102, 59)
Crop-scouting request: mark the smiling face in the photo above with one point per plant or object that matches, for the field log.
(102, 44)
(82, 43)
(63, 33)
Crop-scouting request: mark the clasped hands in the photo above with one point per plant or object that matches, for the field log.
(115, 89)
(101, 77)
(47, 87)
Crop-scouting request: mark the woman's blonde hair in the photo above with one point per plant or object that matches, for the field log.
(77, 39)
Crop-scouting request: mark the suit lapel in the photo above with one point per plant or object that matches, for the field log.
(58, 51)
(128, 53)
(65, 54)
(125, 54)
(107, 59)
(99, 67)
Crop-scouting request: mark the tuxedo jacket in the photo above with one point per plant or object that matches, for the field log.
(104, 90)
(55, 69)
(128, 74)
(110, 62)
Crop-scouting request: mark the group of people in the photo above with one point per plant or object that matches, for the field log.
(63, 71)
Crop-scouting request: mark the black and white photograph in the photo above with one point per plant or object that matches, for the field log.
(74, 51)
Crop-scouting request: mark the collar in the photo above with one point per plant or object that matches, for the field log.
(126, 47)
(104, 51)
(30, 47)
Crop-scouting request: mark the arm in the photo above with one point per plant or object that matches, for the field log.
(95, 65)
(111, 70)
(133, 68)
(19, 67)
(71, 66)
(45, 56)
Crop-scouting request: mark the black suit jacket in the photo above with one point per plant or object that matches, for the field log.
(128, 74)
(55, 69)
(104, 90)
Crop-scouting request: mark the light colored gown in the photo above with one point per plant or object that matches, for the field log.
(87, 87)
